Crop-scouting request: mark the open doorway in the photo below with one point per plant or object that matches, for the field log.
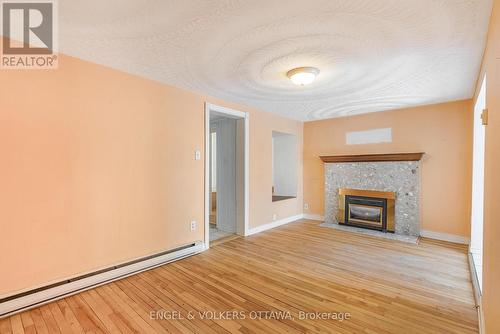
(226, 186)
(476, 244)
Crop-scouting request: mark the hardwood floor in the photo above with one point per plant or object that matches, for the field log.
(385, 286)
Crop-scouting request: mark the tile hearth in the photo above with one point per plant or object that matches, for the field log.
(391, 236)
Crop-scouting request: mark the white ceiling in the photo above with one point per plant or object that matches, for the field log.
(374, 55)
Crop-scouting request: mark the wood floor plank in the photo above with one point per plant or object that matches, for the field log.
(151, 303)
(5, 327)
(385, 286)
(102, 311)
(28, 324)
(124, 311)
(169, 297)
(51, 323)
(17, 324)
(126, 301)
(89, 321)
(64, 326)
(69, 317)
(36, 315)
(210, 300)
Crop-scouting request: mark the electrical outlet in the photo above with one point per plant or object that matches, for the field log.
(197, 155)
(306, 206)
(194, 225)
(274, 216)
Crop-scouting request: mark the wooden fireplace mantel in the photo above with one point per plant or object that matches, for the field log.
(373, 157)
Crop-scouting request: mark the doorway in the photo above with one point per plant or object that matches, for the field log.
(476, 244)
(226, 173)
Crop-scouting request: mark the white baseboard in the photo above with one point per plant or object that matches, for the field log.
(458, 239)
(314, 217)
(477, 293)
(274, 224)
(46, 296)
(475, 280)
(480, 314)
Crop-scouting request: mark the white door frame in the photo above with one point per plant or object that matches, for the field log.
(478, 155)
(235, 114)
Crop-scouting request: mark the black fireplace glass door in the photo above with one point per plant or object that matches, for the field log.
(365, 213)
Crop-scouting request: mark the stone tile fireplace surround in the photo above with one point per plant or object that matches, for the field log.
(382, 173)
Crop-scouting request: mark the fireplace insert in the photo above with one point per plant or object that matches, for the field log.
(371, 209)
(367, 212)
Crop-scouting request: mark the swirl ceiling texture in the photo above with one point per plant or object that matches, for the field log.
(373, 55)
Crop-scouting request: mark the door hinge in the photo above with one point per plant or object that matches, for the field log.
(484, 117)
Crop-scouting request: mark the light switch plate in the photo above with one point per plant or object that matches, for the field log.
(197, 155)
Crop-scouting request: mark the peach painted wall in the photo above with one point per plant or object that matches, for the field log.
(443, 131)
(491, 251)
(261, 179)
(97, 167)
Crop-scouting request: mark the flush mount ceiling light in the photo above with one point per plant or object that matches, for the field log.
(303, 75)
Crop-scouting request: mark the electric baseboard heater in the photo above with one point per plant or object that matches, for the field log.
(36, 297)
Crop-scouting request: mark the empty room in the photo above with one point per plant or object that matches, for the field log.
(323, 166)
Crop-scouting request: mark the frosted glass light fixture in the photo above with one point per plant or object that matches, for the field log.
(302, 76)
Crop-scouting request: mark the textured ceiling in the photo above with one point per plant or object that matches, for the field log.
(374, 55)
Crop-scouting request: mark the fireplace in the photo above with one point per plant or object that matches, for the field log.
(367, 209)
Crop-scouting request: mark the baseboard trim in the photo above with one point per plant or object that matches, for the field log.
(477, 293)
(480, 314)
(458, 239)
(274, 224)
(65, 288)
(314, 217)
(474, 279)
